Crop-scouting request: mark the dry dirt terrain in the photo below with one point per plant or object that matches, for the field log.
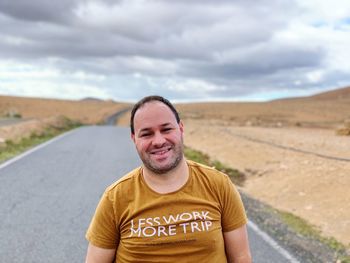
(313, 187)
(36, 114)
(317, 111)
(289, 150)
(87, 111)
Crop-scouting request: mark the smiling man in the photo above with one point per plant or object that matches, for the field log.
(170, 209)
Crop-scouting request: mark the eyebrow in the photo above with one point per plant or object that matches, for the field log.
(162, 125)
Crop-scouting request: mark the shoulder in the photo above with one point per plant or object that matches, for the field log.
(207, 173)
(206, 170)
(213, 183)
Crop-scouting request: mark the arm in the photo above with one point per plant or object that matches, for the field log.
(237, 246)
(99, 255)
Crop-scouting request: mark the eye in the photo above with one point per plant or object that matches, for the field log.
(145, 134)
(166, 129)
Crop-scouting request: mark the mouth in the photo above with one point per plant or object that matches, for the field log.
(161, 151)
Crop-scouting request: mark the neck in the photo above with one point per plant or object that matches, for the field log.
(167, 182)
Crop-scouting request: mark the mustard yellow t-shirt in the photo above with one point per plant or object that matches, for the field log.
(182, 226)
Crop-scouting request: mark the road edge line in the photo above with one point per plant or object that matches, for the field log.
(38, 147)
(272, 242)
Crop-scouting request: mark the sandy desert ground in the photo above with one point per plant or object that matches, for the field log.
(87, 111)
(288, 149)
(310, 186)
(37, 113)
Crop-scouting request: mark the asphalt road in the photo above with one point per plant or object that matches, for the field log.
(48, 196)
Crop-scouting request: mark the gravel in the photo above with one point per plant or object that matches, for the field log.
(306, 249)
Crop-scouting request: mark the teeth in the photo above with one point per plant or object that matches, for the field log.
(161, 152)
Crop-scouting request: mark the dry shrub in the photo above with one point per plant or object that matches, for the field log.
(344, 129)
(25, 129)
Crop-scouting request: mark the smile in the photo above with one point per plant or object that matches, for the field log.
(160, 151)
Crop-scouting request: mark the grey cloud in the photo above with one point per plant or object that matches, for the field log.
(266, 60)
(161, 30)
(38, 10)
(273, 65)
(228, 43)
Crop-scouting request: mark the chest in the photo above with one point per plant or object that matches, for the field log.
(183, 224)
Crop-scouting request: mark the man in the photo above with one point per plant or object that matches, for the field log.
(170, 209)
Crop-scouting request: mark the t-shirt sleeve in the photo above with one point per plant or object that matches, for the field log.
(102, 231)
(233, 212)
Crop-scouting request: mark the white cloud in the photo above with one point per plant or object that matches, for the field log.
(49, 89)
(315, 76)
(195, 86)
(83, 76)
(28, 80)
(321, 11)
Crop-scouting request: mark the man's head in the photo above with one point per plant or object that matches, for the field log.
(147, 99)
(157, 132)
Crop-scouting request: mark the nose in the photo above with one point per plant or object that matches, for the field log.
(158, 139)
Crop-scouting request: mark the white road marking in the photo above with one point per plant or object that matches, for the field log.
(272, 242)
(18, 157)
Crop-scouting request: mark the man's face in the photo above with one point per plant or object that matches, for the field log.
(158, 137)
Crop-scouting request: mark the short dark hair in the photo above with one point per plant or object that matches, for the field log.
(147, 99)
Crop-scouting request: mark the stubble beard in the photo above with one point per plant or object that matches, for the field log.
(160, 169)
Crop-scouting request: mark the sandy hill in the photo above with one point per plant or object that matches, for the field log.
(92, 99)
(86, 111)
(325, 110)
(338, 94)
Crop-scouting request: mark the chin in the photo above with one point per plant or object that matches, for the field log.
(161, 169)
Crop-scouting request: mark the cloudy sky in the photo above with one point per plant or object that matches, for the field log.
(191, 50)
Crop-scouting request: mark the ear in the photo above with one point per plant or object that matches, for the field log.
(181, 125)
(132, 135)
